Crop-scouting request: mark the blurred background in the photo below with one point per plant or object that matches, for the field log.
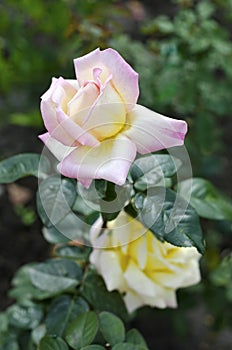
(182, 50)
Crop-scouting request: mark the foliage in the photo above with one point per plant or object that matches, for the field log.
(36, 42)
(184, 62)
(51, 312)
(56, 304)
(185, 68)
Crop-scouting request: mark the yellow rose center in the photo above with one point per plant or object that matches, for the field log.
(102, 114)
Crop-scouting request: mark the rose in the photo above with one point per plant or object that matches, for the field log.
(95, 126)
(133, 261)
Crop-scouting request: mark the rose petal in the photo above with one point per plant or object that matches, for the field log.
(57, 96)
(192, 274)
(133, 301)
(108, 115)
(74, 130)
(124, 78)
(79, 106)
(54, 128)
(151, 131)
(48, 94)
(137, 278)
(125, 230)
(102, 115)
(59, 150)
(138, 249)
(111, 161)
(95, 231)
(111, 271)
(166, 299)
(149, 292)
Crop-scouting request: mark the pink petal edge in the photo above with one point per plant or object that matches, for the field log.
(151, 131)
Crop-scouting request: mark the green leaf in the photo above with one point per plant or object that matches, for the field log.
(164, 24)
(206, 199)
(222, 276)
(38, 333)
(51, 343)
(81, 207)
(80, 253)
(128, 346)
(9, 342)
(93, 347)
(153, 170)
(25, 341)
(3, 322)
(23, 289)
(205, 9)
(161, 164)
(52, 235)
(100, 298)
(161, 23)
(114, 200)
(55, 276)
(105, 197)
(93, 195)
(133, 336)
(69, 228)
(25, 317)
(55, 198)
(21, 165)
(64, 273)
(170, 218)
(62, 311)
(112, 328)
(82, 330)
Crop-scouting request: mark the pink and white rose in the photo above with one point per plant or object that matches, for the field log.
(94, 126)
(133, 261)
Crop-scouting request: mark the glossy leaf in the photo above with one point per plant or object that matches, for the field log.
(21, 165)
(82, 330)
(55, 276)
(38, 333)
(70, 228)
(206, 199)
(52, 235)
(23, 289)
(100, 298)
(133, 336)
(62, 311)
(25, 317)
(153, 170)
(80, 253)
(170, 218)
(55, 198)
(112, 328)
(93, 347)
(52, 343)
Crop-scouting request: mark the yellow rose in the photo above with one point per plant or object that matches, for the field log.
(132, 260)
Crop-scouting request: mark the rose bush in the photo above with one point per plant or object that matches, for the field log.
(95, 126)
(132, 260)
